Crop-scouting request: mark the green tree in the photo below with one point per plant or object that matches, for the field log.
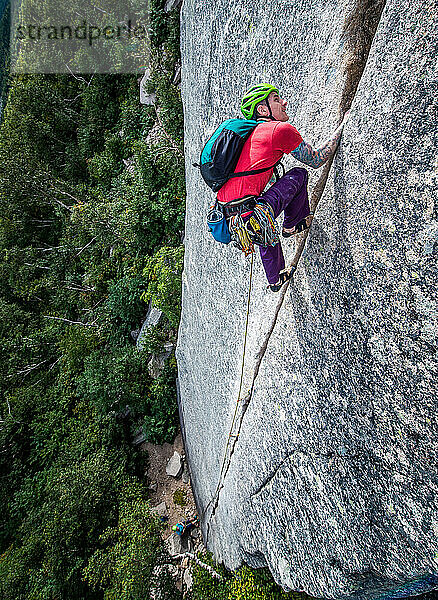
(164, 281)
(77, 229)
(61, 509)
(128, 567)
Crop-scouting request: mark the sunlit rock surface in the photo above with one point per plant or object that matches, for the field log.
(333, 480)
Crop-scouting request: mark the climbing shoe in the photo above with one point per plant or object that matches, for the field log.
(303, 225)
(283, 277)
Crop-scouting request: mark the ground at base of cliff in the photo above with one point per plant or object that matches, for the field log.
(172, 498)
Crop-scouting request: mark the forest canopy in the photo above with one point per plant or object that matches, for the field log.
(92, 203)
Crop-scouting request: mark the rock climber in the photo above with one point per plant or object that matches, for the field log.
(269, 141)
(185, 526)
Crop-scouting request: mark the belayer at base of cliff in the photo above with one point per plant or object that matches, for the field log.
(258, 144)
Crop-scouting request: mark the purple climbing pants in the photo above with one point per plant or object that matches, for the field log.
(288, 194)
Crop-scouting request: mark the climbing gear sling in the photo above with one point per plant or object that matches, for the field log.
(259, 229)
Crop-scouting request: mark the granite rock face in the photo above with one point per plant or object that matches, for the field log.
(333, 480)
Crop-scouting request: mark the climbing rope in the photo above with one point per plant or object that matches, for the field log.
(219, 485)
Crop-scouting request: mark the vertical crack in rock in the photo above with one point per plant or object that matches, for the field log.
(235, 432)
(244, 402)
(359, 30)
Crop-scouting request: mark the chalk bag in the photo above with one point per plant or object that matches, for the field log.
(218, 226)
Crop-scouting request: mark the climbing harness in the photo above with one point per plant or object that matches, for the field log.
(239, 206)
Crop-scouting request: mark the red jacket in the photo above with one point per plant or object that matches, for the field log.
(265, 146)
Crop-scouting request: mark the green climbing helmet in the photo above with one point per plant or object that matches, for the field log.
(256, 94)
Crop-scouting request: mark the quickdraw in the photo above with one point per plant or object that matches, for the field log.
(261, 229)
(239, 235)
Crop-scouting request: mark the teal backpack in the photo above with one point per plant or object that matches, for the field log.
(221, 153)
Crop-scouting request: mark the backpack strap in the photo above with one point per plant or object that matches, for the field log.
(256, 171)
(277, 171)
